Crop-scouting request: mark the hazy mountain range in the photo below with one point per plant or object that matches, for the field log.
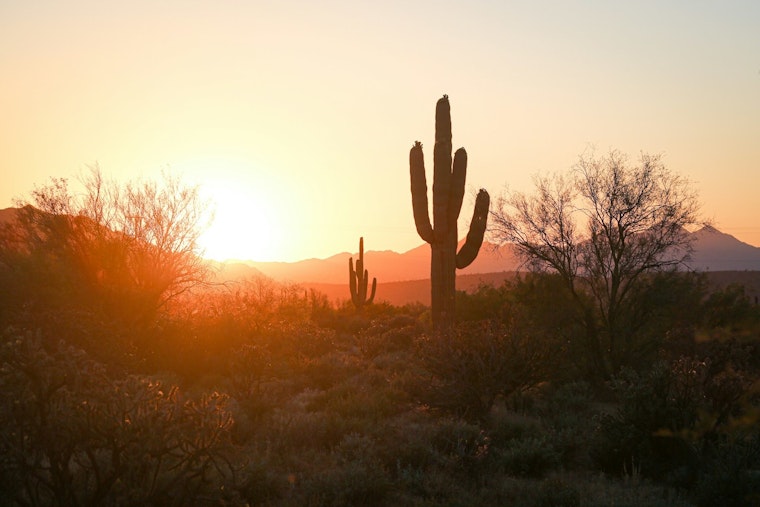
(404, 277)
(713, 251)
(385, 265)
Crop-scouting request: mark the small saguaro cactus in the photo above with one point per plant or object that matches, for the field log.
(357, 280)
(448, 193)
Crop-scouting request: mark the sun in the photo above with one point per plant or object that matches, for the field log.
(244, 226)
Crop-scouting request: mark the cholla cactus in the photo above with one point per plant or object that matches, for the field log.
(448, 193)
(357, 280)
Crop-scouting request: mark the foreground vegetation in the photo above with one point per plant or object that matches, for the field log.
(129, 377)
(261, 394)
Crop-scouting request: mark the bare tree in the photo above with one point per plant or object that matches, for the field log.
(603, 229)
(130, 248)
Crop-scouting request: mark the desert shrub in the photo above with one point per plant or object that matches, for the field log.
(261, 483)
(732, 477)
(553, 491)
(349, 474)
(528, 457)
(347, 321)
(666, 308)
(652, 403)
(567, 406)
(546, 307)
(566, 411)
(629, 491)
(419, 449)
(350, 484)
(558, 492)
(486, 302)
(504, 426)
(389, 335)
(356, 400)
(72, 434)
(298, 340)
(664, 304)
(675, 421)
(477, 362)
(303, 431)
(330, 369)
(203, 331)
(406, 444)
(730, 307)
(464, 446)
(732, 352)
(254, 382)
(572, 397)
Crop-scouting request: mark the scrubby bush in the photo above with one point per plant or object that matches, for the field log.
(558, 492)
(475, 363)
(732, 477)
(485, 303)
(73, 435)
(654, 406)
(730, 307)
(390, 334)
(529, 457)
(677, 422)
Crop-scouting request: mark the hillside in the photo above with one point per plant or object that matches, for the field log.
(410, 291)
(386, 265)
(718, 251)
(714, 251)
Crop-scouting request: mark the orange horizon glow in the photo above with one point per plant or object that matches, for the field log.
(297, 118)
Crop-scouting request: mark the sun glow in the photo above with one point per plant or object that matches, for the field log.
(244, 225)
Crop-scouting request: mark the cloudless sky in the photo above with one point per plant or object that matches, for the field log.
(297, 117)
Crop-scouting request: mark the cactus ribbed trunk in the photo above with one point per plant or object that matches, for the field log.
(448, 193)
(443, 278)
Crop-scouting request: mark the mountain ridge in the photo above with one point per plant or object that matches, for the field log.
(713, 251)
(385, 265)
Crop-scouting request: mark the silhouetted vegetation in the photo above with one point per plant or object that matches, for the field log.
(358, 280)
(605, 231)
(115, 254)
(441, 233)
(259, 393)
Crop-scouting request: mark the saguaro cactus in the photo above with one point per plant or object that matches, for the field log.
(448, 193)
(357, 280)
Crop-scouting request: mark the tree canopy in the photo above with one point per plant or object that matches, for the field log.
(605, 229)
(126, 249)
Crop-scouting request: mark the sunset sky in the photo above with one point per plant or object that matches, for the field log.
(297, 117)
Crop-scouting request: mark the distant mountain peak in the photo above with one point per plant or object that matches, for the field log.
(717, 251)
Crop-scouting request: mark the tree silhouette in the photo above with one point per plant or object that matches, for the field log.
(124, 249)
(604, 230)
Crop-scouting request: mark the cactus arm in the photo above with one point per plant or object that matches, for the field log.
(458, 176)
(372, 296)
(365, 279)
(474, 240)
(419, 193)
(441, 168)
